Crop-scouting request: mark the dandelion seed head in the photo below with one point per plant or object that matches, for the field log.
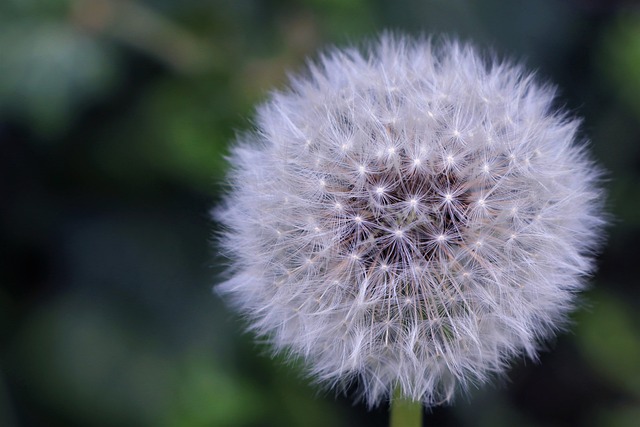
(409, 215)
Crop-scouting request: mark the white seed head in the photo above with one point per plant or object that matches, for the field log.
(435, 252)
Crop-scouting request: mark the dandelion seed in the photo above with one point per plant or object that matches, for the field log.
(441, 249)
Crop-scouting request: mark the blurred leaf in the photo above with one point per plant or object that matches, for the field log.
(296, 401)
(337, 17)
(611, 342)
(80, 358)
(208, 395)
(488, 406)
(30, 9)
(620, 416)
(619, 59)
(48, 71)
(179, 132)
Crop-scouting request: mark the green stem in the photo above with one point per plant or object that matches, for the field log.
(404, 412)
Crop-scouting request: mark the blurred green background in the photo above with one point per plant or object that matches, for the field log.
(115, 116)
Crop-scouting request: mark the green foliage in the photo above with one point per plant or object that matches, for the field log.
(49, 72)
(610, 341)
(619, 59)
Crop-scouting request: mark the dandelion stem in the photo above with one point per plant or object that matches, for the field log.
(405, 412)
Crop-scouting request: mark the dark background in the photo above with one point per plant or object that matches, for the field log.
(115, 116)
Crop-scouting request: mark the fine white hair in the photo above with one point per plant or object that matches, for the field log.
(409, 215)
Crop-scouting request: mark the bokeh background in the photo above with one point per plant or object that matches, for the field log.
(115, 116)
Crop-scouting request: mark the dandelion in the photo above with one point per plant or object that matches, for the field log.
(410, 218)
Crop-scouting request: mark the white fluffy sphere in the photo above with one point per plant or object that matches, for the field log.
(412, 216)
